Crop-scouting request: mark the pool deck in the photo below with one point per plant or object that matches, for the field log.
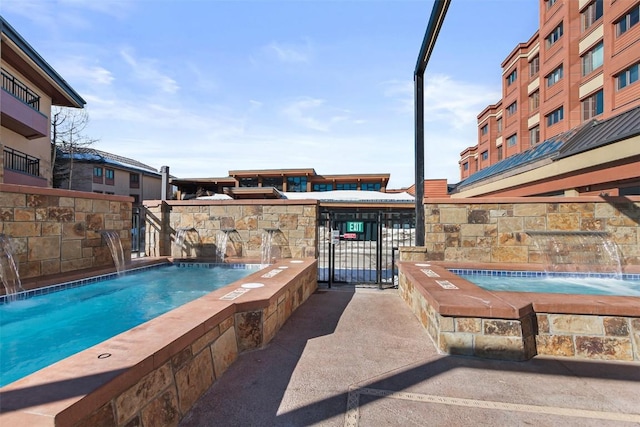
(359, 357)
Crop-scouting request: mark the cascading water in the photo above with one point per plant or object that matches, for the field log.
(9, 276)
(222, 239)
(182, 235)
(266, 247)
(114, 243)
(589, 251)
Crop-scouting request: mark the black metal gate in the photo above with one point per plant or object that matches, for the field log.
(361, 246)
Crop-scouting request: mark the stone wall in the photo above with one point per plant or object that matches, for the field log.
(56, 231)
(200, 224)
(508, 230)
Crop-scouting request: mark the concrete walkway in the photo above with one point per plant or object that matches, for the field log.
(358, 357)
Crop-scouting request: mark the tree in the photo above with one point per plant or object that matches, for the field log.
(67, 138)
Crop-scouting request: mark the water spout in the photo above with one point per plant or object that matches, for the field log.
(112, 237)
(266, 247)
(181, 238)
(573, 251)
(9, 276)
(222, 241)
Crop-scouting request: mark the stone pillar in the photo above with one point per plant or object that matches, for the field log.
(413, 253)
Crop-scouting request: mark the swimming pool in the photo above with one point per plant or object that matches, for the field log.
(557, 283)
(43, 329)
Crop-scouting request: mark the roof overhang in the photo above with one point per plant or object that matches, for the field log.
(20, 55)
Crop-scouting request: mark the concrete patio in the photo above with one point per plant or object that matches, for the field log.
(358, 357)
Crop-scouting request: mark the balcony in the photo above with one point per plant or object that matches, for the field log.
(20, 106)
(21, 168)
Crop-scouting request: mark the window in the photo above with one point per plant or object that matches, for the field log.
(554, 77)
(371, 186)
(512, 140)
(248, 182)
(108, 176)
(499, 125)
(628, 76)
(322, 187)
(511, 78)
(97, 175)
(499, 149)
(630, 19)
(136, 198)
(549, 3)
(592, 59)
(485, 155)
(484, 130)
(555, 116)
(592, 105)
(534, 135)
(534, 100)
(534, 66)
(272, 182)
(134, 180)
(554, 36)
(347, 186)
(511, 109)
(465, 166)
(591, 14)
(297, 184)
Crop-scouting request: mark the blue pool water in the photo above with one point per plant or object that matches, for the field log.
(555, 283)
(41, 330)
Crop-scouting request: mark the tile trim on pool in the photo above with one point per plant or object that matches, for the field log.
(102, 277)
(508, 273)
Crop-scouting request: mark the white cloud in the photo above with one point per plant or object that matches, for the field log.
(289, 52)
(146, 70)
(80, 71)
(309, 113)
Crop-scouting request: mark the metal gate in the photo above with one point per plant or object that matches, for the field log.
(361, 246)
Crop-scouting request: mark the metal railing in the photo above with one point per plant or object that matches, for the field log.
(21, 162)
(18, 89)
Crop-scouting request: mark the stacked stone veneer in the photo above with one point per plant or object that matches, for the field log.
(157, 371)
(293, 223)
(496, 230)
(482, 335)
(56, 231)
(588, 336)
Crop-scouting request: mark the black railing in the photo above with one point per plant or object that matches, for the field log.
(20, 90)
(21, 162)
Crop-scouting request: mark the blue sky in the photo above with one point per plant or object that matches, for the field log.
(208, 86)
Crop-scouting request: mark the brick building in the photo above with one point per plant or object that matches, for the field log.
(582, 64)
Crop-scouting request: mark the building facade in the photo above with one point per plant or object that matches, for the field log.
(30, 87)
(582, 64)
(97, 171)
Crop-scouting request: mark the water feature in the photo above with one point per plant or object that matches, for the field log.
(578, 251)
(48, 327)
(112, 237)
(186, 239)
(9, 275)
(266, 246)
(223, 238)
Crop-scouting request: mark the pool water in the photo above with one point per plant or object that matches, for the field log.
(561, 284)
(44, 329)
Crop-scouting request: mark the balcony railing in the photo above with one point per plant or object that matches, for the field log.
(21, 162)
(20, 90)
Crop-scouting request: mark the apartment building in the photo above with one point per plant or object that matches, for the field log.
(30, 86)
(96, 171)
(582, 64)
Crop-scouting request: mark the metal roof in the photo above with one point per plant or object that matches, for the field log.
(91, 155)
(599, 133)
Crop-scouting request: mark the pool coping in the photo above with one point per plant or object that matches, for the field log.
(194, 343)
(463, 318)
